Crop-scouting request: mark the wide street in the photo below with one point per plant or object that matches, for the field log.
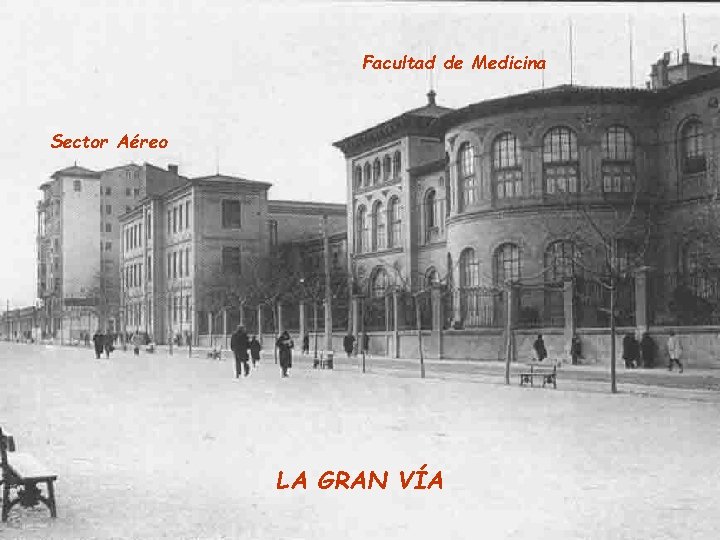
(160, 446)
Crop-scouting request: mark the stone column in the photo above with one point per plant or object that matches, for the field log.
(437, 317)
(242, 314)
(280, 327)
(395, 333)
(225, 328)
(356, 323)
(303, 324)
(210, 329)
(569, 313)
(259, 323)
(641, 301)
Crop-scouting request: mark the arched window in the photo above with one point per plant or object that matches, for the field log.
(387, 168)
(692, 150)
(507, 168)
(560, 161)
(507, 264)
(378, 236)
(376, 171)
(467, 179)
(431, 217)
(618, 160)
(367, 176)
(396, 164)
(561, 261)
(469, 270)
(357, 176)
(395, 222)
(379, 283)
(362, 231)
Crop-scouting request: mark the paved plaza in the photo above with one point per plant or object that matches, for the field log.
(160, 446)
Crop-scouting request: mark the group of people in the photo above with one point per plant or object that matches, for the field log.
(248, 348)
(103, 342)
(635, 353)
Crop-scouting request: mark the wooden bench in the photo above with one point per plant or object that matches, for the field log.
(22, 473)
(548, 374)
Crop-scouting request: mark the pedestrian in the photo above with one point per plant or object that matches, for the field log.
(285, 346)
(255, 349)
(306, 344)
(108, 345)
(349, 344)
(647, 351)
(674, 351)
(137, 341)
(366, 343)
(99, 343)
(631, 351)
(239, 346)
(87, 339)
(539, 350)
(575, 350)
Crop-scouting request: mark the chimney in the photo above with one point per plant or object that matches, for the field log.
(431, 97)
(173, 169)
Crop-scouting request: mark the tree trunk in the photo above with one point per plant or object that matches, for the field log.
(613, 383)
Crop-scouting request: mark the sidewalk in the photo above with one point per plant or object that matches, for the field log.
(693, 384)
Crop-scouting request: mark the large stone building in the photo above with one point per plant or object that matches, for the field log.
(531, 192)
(78, 243)
(189, 253)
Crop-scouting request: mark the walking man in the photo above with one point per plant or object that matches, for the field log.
(239, 345)
(99, 343)
(255, 349)
(539, 350)
(674, 351)
(349, 344)
(285, 346)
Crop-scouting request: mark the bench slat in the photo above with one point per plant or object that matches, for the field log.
(27, 466)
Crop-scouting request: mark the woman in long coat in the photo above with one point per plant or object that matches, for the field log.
(285, 346)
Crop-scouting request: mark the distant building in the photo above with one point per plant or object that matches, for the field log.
(185, 250)
(78, 243)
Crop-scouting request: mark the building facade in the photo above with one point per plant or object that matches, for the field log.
(530, 192)
(78, 243)
(193, 256)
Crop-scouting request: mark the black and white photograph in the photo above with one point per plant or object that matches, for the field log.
(359, 269)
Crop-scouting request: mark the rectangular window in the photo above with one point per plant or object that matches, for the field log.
(231, 214)
(108, 227)
(175, 220)
(187, 308)
(108, 191)
(136, 192)
(174, 262)
(169, 266)
(187, 215)
(180, 264)
(148, 269)
(139, 236)
(148, 227)
(180, 219)
(187, 262)
(128, 192)
(108, 246)
(77, 185)
(231, 260)
(108, 209)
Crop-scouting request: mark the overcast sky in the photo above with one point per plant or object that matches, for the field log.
(265, 88)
